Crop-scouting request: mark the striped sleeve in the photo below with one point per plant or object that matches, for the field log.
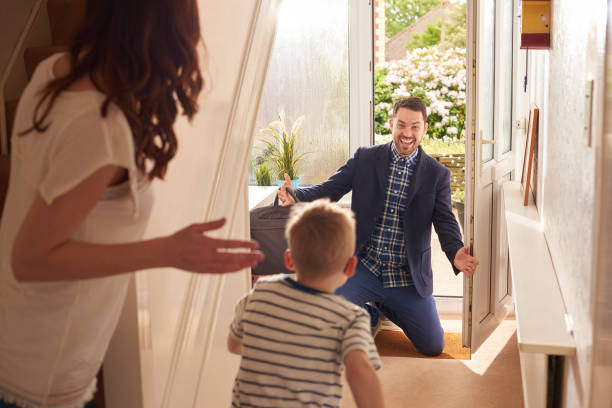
(236, 328)
(358, 336)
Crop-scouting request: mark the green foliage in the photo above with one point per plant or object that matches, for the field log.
(280, 146)
(439, 146)
(454, 31)
(399, 14)
(383, 96)
(430, 37)
(458, 195)
(262, 173)
(455, 35)
(437, 77)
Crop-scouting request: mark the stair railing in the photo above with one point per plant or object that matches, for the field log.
(8, 67)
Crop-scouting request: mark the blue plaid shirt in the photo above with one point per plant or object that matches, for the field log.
(385, 253)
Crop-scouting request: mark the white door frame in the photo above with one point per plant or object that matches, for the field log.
(479, 175)
(361, 74)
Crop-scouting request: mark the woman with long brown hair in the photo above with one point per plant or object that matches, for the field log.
(93, 128)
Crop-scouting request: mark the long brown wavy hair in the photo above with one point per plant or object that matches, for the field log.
(142, 55)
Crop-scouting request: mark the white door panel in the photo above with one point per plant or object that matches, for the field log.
(182, 319)
(489, 111)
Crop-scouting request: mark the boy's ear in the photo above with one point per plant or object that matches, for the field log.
(288, 261)
(351, 265)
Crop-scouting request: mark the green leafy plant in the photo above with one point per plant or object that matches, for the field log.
(399, 14)
(443, 146)
(454, 30)
(383, 101)
(262, 173)
(280, 146)
(458, 195)
(429, 38)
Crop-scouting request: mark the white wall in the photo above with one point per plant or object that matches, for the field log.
(567, 166)
(39, 35)
(601, 392)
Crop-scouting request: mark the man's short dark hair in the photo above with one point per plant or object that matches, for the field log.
(412, 103)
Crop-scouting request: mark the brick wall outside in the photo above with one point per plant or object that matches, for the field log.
(379, 31)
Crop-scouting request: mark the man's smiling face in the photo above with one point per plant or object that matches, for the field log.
(408, 129)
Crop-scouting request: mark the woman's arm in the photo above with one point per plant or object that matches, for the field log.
(44, 251)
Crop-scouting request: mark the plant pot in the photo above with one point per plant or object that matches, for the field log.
(460, 213)
(294, 182)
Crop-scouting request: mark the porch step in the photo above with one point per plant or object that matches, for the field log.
(34, 55)
(64, 19)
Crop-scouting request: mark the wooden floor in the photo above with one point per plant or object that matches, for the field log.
(491, 379)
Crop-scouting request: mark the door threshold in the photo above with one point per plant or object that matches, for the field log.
(449, 305)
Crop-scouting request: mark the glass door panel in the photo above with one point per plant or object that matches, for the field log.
(308, 75)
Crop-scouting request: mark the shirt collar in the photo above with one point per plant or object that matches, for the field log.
(396, 156)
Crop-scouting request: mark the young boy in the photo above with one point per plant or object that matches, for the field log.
(296, 337)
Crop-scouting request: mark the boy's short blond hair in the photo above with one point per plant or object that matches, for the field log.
(321, 237)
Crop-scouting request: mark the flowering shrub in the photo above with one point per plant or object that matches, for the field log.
(438, 77)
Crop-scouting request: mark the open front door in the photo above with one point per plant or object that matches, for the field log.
(489, 162)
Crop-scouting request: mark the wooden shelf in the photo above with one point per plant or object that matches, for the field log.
(540, 311)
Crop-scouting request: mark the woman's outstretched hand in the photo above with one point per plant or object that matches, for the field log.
(191, 250)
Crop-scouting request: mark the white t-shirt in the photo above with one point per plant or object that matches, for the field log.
(294, 341)
(53, 336)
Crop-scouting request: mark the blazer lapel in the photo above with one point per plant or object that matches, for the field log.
(417, 177)
(382, 166)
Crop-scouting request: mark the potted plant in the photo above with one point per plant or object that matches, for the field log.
(280, 148)
(261, 171)
(458, 198)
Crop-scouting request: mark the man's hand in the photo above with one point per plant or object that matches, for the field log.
(465, 262)
(283, 196)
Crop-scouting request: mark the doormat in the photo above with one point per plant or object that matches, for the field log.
(396, 344)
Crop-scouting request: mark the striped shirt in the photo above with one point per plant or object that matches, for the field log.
(294, 340)
(385, 253)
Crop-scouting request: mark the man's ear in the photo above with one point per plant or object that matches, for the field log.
(425, 127)
(391, 123)
(288, 261)
(351, 265)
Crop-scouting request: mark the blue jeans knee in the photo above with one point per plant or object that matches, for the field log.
(432, 347)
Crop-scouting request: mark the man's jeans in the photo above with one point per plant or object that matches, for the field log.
(416, 316)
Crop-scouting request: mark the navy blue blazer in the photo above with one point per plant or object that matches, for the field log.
(428, 203)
